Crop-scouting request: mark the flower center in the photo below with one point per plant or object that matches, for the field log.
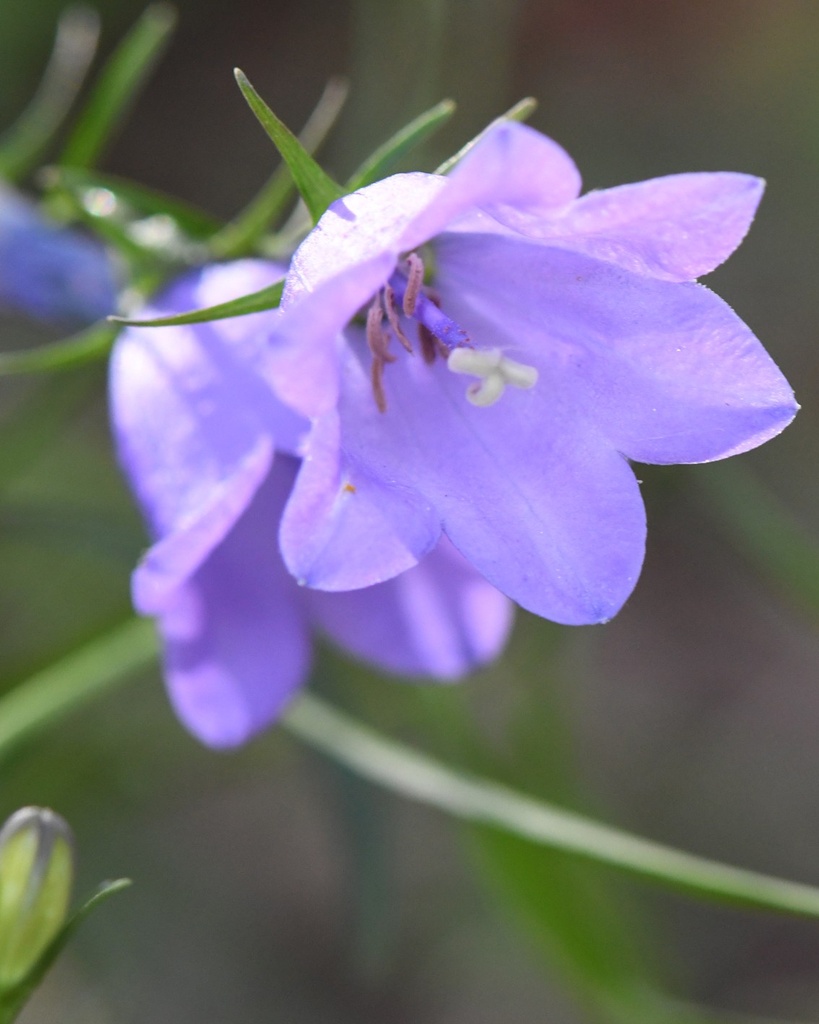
(406, 294)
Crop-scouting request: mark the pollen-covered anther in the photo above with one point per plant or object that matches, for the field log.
(415, 281)
(495, 371)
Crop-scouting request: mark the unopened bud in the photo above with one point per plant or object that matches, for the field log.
(36, 878)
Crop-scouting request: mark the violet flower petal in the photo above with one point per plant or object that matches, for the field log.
(529, 492)
(341, 535)
(666, 371)
(354, 248)
(195, 421)
(677, 227)
(235, 634)
(439, 619)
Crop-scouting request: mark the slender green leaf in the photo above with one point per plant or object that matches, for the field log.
(412, 135)
(315, 187)
(521, 111)
(105, 195)
(13, 1000)
(23, 145)
(122, 78)
(87, 346)
(254, 302)
(243, 233)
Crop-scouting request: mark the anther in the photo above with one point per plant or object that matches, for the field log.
(377, 339)
(392, 315)
(377, 381)
(495, 370)
(415, 279)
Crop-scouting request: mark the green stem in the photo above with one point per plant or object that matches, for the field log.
(474, 799)
(99, 666)
(109, 660)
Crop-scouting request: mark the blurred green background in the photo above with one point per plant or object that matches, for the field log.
(270, 885)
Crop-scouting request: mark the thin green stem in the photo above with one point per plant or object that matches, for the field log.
(474, 799)
(88, 346)
(109, 660)
(100, 666)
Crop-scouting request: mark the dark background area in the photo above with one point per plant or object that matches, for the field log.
(269, 885)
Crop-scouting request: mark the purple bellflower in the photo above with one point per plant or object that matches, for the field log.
(50, 272)
(197, 427)
(481, 354)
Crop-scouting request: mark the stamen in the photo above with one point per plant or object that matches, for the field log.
(426, 312)
(496, 371)
(415, 279)
(392, 315)
(378, 340)
(377, 381)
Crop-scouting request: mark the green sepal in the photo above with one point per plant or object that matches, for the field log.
(254, 302)
(521, 111)
(121, 79)
(410, 136)
(75, 43)
(243, 234)
(315, 186)
(134, 200)
(85, 347)
(14, 999)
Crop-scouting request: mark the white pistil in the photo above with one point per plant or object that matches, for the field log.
(495, 370)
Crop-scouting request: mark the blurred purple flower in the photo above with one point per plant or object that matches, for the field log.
(50, 272)
(589, 342)
(197, 427)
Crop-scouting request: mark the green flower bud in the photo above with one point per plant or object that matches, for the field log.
(36, 877)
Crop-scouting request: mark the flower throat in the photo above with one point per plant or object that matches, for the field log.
(406, 293)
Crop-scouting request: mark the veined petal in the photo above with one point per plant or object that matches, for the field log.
(235, 636)
(353, 249)
(302, 359)
(337, 534)
(190, 408)
(512, 169)
(678, 227)
(665, 371)
(170, 561)
(438, 619)
(534, 497)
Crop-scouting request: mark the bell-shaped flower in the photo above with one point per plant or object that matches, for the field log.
(212, 455)
(482, 354)
(50, 272)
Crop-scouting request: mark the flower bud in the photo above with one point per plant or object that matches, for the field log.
(36, 877)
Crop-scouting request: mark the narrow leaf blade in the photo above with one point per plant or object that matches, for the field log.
(75, 44)
(87, 346)
(16, 998)
(521, 111)
(242, 235)
(121, 79)
(254, 302)
(410, 136)
(315, 186)
(85, 186)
